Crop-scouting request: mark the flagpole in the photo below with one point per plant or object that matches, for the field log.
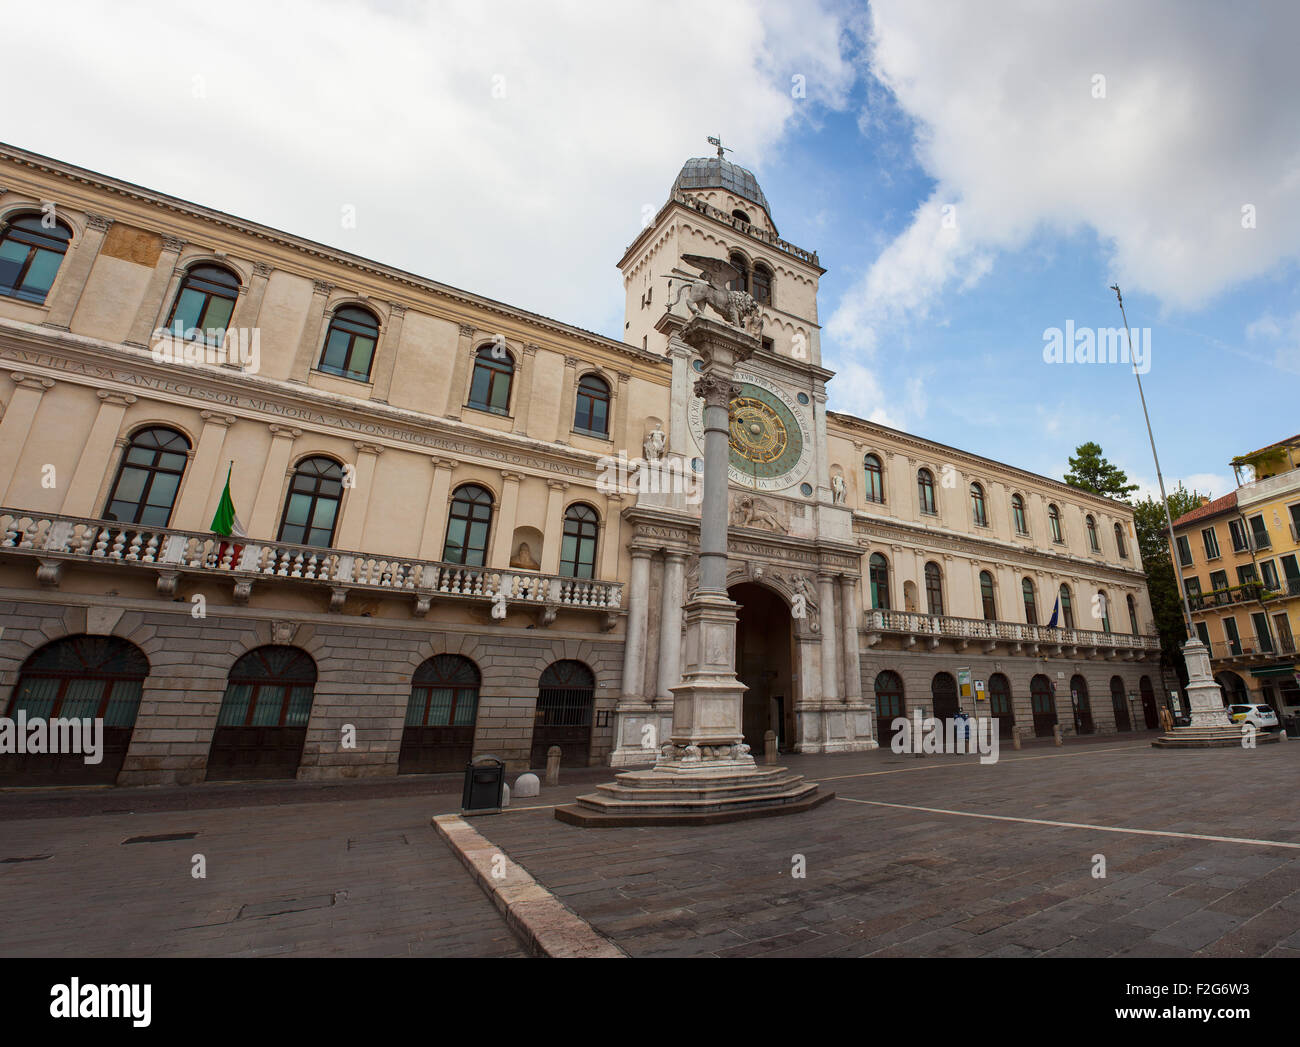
(1164, 499)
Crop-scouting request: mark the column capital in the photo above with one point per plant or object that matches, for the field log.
(438, 462)
(174, 244)
(396, 310)
(716, 391)
(558, 485)
(31, 381)
(262, 269)
(530, 349)
(217, 418)
(367, 448)
(572, 362)
(466, 330)
(512, 477)
(624, 377)
(640, 553)
(674, 555)
(320, 287)
(112, 396)
(284, 432)
(98, 221)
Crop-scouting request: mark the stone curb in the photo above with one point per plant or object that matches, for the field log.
(534, 914)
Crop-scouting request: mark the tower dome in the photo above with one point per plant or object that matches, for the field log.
(712, 172)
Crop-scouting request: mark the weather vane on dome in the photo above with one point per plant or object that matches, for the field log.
(721, 147)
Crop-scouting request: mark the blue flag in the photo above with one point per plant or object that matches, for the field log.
(1056, 609)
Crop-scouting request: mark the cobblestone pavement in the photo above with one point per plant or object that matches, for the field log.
(323, 869)
(895, 881)
(351, 878)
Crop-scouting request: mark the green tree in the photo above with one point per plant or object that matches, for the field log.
(1090, 471)
(1153, 544)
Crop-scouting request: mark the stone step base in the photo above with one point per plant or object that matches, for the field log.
(698, 798)
(1210, 738)
(613, 816)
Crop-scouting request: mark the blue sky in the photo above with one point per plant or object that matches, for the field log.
(511, 149)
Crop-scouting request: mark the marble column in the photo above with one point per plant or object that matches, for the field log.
(76, 271)
(356, 506)
(390, 339)
(196, 505)
(830, 627)
(568, 395)
(435, 512)
(457, 387)
(525, 372)
(670, 623)
(852, 656)
(634, 643)
(266, 507)
(16, 425)
(610, 537)
(553, 537)
(309, 344)
(505, 521)
(150, 315)
(97, 453)
(620, 419)
(249, 306)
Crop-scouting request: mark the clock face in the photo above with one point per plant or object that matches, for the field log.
(769, 437)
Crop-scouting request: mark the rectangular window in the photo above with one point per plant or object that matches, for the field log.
(1282, 630)
(1295, 521)
(1193, 587)
(1218, 580)
(1259, 531)
(1211, 541)
(1204, 634)
(1234, 639)
(1237, 529)
(1184, 551)
(1263, 641)
(1246, 573)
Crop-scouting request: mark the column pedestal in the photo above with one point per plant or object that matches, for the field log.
(1210, 727)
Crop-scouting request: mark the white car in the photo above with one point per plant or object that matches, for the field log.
(1262, 716)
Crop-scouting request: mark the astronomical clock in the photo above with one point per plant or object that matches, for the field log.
(771, 446)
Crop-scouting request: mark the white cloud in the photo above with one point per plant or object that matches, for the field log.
(1212, 485)
(506, 148)
(1197, 122)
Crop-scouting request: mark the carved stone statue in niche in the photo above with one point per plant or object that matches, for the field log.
(839, 490)
(523, 559)
(652, 447)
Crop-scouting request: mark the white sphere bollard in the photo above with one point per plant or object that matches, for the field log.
(527, 785)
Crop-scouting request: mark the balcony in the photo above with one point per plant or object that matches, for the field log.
(1247, 592)
(1018, 637)
(1250, 649)
(56, 541)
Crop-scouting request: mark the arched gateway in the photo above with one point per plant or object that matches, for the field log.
(764, 660)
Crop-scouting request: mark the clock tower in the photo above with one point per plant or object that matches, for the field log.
(791, 546)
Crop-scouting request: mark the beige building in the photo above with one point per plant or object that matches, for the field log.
(449, 545)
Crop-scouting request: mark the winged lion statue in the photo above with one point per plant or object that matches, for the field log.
(709, 290)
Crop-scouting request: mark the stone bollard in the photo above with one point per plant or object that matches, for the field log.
(527, 785)
(553, 765)
(769, 747)
(1056, 733)
(1015, 737)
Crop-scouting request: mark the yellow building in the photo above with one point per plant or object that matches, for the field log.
(1239, 556)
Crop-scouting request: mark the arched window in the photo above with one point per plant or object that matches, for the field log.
(875, 478)
(591, 413)
(1132, 612)
(1018, 514)
(1103, 608)
(878, 572)
(1000, 704)
(204, 303)
(1031, 604)
(489, 389)
(440, 716)
(978, 512)
(31, 252)
(566, 694)
(1093, 543)
(1054, 521)
(144, 490)
(1119, 542)
(933, 588)
(1067, 608)
(925, 491)
(738, 213)
(762, 284)
(578, 550)
(889, 702)
(986, 597)
(741, 283)
(311, 511)
(468, 524)
(350, 344)
(263, 719)
(77, 677)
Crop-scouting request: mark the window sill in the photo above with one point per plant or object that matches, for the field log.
(44, 303)
(345, 377)
(489, 410)
(592, 435)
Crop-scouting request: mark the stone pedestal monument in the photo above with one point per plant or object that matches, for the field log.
(705, 772)
(1210, 727)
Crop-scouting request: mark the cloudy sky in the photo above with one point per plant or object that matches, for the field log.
(972, 176)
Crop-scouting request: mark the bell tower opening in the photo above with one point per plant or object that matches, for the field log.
(764, 648)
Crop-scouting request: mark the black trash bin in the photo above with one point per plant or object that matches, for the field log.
(485, 779)
(1292, 724)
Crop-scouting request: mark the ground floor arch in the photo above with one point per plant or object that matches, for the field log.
(1234, 688)
(1119, 704)
(1081, 704)
(943, 692)
(262, 725)
(440, 716)
(1042, 702)
(566, 696)
(1150, 712)
(764, 660)
(1000, 704)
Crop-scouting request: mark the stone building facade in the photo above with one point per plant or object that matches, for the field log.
(435, 561)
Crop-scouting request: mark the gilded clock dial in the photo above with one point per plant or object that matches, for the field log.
(766, 441)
